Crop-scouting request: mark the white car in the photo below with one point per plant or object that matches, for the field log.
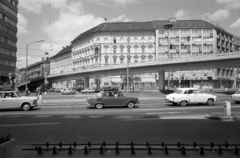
(87, 90)
(184, 96)
(236, 96)
(68, 91)
(12, 99)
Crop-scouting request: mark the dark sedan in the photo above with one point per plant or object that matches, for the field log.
(111, 98)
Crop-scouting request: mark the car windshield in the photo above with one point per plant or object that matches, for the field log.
(178, 91)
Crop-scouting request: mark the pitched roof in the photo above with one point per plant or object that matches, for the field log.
(65, 50)
(118, 26)
(145, 26)
(182, 24)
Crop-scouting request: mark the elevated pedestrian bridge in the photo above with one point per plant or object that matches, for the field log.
(174, 64)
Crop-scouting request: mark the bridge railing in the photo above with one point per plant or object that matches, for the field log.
(158, 61)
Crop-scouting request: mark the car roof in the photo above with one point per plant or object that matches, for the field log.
(184, 89)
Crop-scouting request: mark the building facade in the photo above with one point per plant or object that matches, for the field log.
(127, 42)
(8, 38)
(36, 73)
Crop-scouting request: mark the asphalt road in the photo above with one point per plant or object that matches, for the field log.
(153, 123)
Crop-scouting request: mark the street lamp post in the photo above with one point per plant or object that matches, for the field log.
(26, 87)
(168, 26)
(127, 72)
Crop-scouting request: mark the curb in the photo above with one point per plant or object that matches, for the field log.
(221, 116)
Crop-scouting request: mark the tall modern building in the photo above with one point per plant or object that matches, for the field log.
(112, 43)
(8, 38)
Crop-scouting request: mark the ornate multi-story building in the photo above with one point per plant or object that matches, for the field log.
(8, 38)
(36, 73)
(115, 43)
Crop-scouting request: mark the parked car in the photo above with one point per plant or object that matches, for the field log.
(184, 96)
(12, 99)
(97, 90)
(236, 96)
(87, 90)
(111, 98)
(68, 91)
(57, 90)
(79, 89)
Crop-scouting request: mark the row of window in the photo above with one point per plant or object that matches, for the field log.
(120, 40)
(7, 30)
(7, 51)
(7, 62)
(8, 20)
(8, 41)
(12, 2)
(186, 39)
(9, 9)
(62, 59)
(187, 47)
(185, 31)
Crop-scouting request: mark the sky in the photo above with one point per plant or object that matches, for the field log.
(58, 22)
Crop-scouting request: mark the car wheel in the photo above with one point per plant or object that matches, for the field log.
(99, 106)
(183, 103)
(26, 106)
(130, 104)
(210, 102)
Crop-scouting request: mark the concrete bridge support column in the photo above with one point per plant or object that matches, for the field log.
(86, 82)
(191, 83)
(161, 80)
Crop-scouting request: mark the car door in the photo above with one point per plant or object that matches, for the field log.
(190, 96)
(120, 99)
(200, 97)
(9, 100)
(108, 99)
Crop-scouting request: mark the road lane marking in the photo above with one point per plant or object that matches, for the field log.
(42, 116)
(140, 119)
(184, 117)
(165, 113)
(31, 124)
(69, 116)
(183, 108)
(94, 116)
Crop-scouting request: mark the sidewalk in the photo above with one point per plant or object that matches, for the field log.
(221, 116)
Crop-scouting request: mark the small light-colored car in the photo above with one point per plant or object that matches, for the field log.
(184, 96)
(12, 99)
(87, 90)
(236, 96)
(111, 98)
(68, 91)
